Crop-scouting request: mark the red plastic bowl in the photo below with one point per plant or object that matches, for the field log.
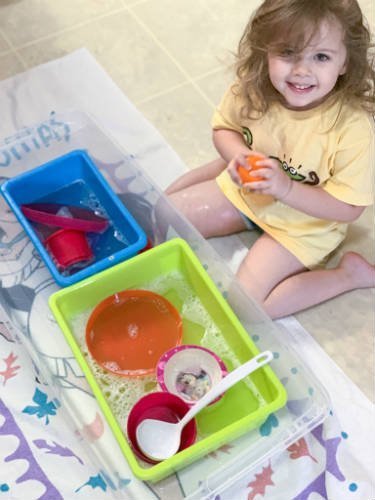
(161, 406)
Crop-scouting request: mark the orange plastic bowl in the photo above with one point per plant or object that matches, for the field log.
(128, 332)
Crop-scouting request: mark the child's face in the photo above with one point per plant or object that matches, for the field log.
(305, 79)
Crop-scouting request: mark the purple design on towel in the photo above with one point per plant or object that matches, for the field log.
(319, 484)
(55, 449)
(23, 451)
(330, 446)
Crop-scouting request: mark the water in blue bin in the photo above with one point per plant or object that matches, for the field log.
(103, 244)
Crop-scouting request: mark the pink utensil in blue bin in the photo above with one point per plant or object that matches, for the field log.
(73, 217)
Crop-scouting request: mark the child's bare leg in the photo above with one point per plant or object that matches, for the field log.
(281, 284)
(162, 212)
(267, 263)
(313, 287)
(206, 207)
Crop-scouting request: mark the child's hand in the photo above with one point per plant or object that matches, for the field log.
(269, 179)
(240, 166)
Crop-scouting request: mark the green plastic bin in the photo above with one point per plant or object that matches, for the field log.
(243, 407)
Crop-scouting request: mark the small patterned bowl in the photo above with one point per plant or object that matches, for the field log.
(189, 371)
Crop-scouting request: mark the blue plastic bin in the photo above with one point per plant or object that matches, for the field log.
(74, 180)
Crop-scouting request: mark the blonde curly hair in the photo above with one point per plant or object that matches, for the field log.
(279, 25)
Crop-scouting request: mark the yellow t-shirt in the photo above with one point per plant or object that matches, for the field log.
(331, 146)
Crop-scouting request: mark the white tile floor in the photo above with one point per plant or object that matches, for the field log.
(172, 59)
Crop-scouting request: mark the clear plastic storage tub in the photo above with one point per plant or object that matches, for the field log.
(307, 403)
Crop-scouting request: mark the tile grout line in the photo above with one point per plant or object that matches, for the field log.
(134, 4)
(166, 51)
(21, 59)
(162, 93)
(7, 40)
(56, 34)
(125, 8)
(177, 86)
(13, 50)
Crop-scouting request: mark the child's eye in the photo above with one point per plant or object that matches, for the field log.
(287, 52)
(322, 57)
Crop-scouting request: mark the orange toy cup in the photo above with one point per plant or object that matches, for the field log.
(244, 173)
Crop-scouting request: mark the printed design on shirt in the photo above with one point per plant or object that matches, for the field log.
(248, 136)
(312, 177)
(293, 172)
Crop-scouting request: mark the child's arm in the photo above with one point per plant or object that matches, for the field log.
(312, 200)
(318, 203)
(230, 144)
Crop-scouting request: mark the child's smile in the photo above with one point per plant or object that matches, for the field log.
(299, 89)
(305, 79)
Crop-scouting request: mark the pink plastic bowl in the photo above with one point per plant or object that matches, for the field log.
(161, 406)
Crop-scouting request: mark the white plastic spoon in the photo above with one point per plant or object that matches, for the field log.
(160, 440)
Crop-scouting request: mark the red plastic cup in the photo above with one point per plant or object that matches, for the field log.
(161, 406)
(68, 247)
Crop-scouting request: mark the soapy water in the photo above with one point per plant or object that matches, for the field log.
(91, 201)
(133, 330)
(122, 393)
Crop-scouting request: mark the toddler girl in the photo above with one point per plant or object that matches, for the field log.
(302, 102)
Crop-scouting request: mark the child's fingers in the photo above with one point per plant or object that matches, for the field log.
(257, 186)
(264, 173)
(267, 163)
(234, 174)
